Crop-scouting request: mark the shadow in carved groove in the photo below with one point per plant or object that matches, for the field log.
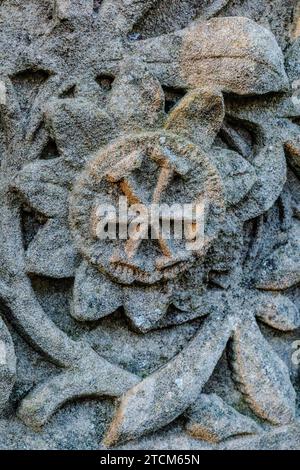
(31, 222)
(69, 93)
(50, 151)
(105, 82)
(172, 97)
(27, 85)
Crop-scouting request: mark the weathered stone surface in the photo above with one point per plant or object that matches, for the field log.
(211, 419)
(279, 312)
(282, 270)
(145, 407)
(199, 116)
(97, 379)
(146, 307)
(237, 174)
(66, 9)
(162, 102)
(292, 60)
(285, 438)
(95, 296)
(176, 171)
(264, 381)
(59, 257)
(7, 365)
(246, 53)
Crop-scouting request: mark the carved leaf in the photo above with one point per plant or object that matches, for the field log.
(238, 176)
(261, 375)
(199, 116)
(146, 306)
(43, 185)
(211, 419)
(163, 17)
(282, 269)
(51, 253)
(95, 296)
(278, 312)
(266, 190)
(163, 396)
(269, 120)
(232, 54)
(77, 126)
(137, 99)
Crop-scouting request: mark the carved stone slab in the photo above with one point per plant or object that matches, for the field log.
(173, 342)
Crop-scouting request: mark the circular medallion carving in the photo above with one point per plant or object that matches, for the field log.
(151, 171)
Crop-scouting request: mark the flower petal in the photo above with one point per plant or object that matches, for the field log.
(238, 176)
(7, 365)
(233, 54)
(270, 122)
(278, 312)
(282, 269)
(225, 252)
(199, 116)
(261, 375)
(95, 295)
(269, 161)
(146, 306)
(137, 98)
(211, 419)
(51, 253)
(43, 185)
(162, 396)
(191, 301)
(77, 126)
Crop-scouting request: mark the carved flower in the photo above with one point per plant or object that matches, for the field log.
(136, 103)
(104, 281)
(106, 130)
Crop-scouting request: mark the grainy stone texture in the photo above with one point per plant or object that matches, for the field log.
(147, 344)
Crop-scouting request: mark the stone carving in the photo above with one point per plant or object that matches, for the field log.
(211, 419)
(90, 110)
(179, 174)
(7, 365)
